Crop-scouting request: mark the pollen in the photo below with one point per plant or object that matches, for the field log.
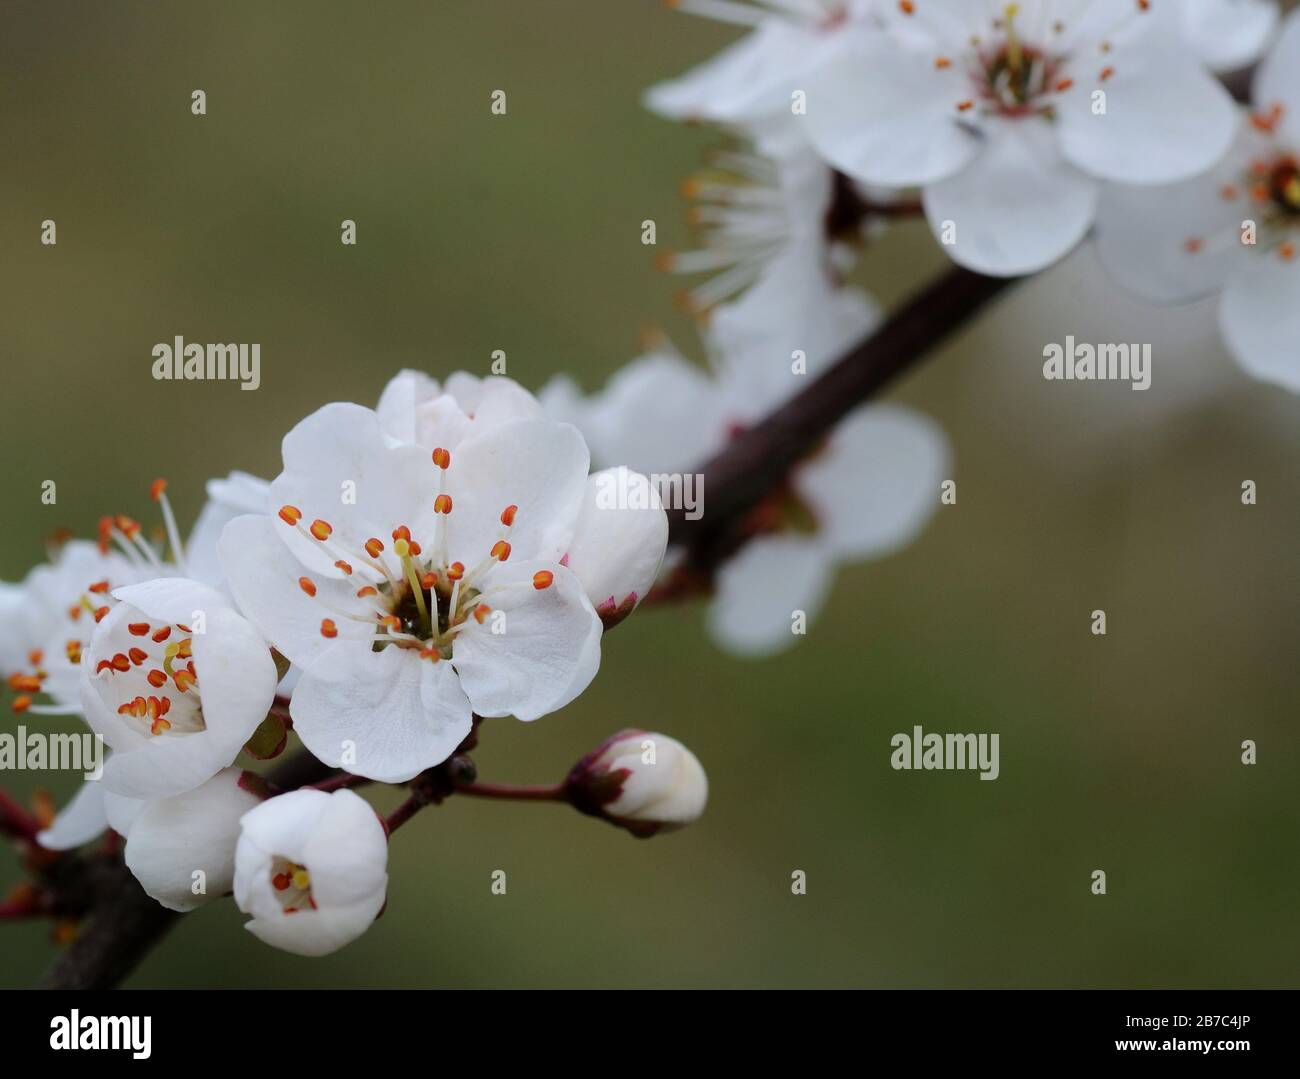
(322, 530)
(290, 515)
(159, 726)
(162, 634)
(343, 567)
(501, 550)
(138, 629)
(442, 458)
(367, 590)
(307, 585)
(442, 504)
(374, 547)
(328, 628)
(157, 678)
(543, 579)
(508, 515)
(137, 656)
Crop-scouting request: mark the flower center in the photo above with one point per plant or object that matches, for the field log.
(412, 596)
(292, 884)
(157, 671)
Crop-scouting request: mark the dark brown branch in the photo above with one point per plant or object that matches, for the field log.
(758, 459)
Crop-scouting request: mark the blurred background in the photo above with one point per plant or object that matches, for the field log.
(522, 233)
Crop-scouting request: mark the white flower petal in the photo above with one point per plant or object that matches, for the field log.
(344, 443)
(1174, 243)
(387, 715)
(1260, 319)
(536, 465)
(80, 821)
(1228, 34)
(658, 413)
(877, 482)
(237, 494)
(759, 590)
(620, 540)
(882, 112)
(1277, 79)
(263, 576)
(188, 841)
(1018, 208)
(1166, 119)
(549, 649)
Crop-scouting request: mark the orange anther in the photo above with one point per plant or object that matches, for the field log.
(157, 488)
(428, 581)
(373, 547)
(508, 515)
(456, 571)
(367, 590)
(157, 678)
(401, 532)
(442, 504)
(328, 628)
(321, 529)
(138, 629)
(120, 662)
(99, 587)
(481, 612)
(307, 585)
(21, 704)
(501, 550)
(137, 656)
(441, 458)
(100, 612)
(162, 634)
(542, 579)
(290, 515)
(344, 567)
(159, 725)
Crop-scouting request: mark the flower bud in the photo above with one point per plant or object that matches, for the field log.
(641, 781)
(311, 869)
(182, 849)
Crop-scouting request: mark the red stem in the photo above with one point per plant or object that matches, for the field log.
(513, 793)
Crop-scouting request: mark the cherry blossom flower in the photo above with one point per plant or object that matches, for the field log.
(1180, 242)
(867, 492)
(999, 119)
(182, 849)
(311, 869)
(435, 588)
(641, 781)
(174, 701)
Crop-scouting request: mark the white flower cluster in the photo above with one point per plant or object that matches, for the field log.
(1026, 127)
(435, 559)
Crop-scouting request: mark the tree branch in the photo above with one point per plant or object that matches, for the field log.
(759, 458)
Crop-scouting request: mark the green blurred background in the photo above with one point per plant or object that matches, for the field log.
(523, 233)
